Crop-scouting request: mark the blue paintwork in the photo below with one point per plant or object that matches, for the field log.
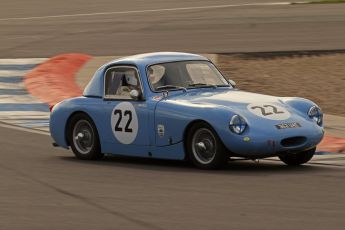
(179, 109)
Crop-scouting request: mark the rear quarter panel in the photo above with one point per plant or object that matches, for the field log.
(93, 107)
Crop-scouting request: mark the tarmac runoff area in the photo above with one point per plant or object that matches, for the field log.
(25, 103)
(121, 27)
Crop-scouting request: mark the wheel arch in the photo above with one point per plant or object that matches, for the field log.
(222, 154)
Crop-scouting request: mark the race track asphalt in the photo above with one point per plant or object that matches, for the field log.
(44, 187)
(202, 30)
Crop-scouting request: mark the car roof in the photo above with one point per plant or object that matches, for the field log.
(157, 57)
(95, 86)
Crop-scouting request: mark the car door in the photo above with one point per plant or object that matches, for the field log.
(126, 115)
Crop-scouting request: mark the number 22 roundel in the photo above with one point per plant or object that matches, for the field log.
(269, 111)
(124, 123)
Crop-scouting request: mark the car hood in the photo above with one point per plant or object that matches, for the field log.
(232, 98)
(250, 105)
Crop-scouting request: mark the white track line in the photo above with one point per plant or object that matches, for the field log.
(12, 73)
(22, 61)
(149, 10)
(24, 129)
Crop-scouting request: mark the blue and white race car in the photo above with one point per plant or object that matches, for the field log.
(179, 106)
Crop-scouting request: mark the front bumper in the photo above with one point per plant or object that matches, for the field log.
(261, 146)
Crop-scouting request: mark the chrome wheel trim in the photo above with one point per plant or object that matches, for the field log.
(204, 146)
(83, 137)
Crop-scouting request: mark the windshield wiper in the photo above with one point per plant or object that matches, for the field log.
(223, 85)
(171, 87)
(202, 85)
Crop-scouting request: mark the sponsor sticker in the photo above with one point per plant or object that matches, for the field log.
(157, 98)
(160, 130)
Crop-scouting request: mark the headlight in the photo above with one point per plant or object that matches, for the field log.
(237, 124)
(316, 115)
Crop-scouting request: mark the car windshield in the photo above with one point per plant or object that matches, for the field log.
(185, 74)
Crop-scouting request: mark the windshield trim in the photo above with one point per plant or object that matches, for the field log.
(157, 63)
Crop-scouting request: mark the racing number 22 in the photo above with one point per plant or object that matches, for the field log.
(128, 114)
(264, 110)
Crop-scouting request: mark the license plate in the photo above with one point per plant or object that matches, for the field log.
(288, 125)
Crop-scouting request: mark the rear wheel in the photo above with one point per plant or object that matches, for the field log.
(204, 148)
(83, 138)
(298, 158)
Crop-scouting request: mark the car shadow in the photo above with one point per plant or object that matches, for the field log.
(243, 166)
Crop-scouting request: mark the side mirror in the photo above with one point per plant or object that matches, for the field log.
(233, 83)
(134, 94)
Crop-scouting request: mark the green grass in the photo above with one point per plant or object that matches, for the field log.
(326, 1)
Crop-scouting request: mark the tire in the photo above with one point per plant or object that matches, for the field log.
(204, 148)
(299, 158)
(83, 138)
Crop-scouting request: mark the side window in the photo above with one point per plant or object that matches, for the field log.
(119, 81)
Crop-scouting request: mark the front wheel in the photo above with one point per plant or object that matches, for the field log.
(298, 158)
(204, 148)
(83, 138)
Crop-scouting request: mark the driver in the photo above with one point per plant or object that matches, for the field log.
(129, 82)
